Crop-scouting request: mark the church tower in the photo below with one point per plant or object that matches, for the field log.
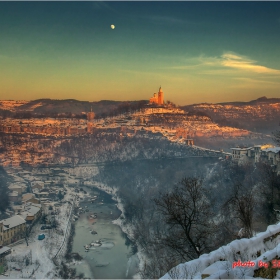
(160, 96)
(90, 118)
(90, 115)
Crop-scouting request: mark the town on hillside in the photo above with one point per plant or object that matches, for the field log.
(51, 160)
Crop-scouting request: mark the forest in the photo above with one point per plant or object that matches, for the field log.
(182, 208)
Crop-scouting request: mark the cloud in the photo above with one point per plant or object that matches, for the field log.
(228, 63)
(243, 63)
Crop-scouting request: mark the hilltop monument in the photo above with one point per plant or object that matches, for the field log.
(157, 98)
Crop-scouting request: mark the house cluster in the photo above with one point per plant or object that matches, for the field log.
(258, 153)
(32, 127)
(26, 210)
(15, 228)
(40, 193)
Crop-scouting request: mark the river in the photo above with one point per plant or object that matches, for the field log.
(114, 259)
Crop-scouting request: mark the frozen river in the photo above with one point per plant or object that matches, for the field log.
(114, 258)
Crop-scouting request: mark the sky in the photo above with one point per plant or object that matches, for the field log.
(196, 51)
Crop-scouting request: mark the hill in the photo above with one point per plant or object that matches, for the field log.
(260, 115)
(55, 106)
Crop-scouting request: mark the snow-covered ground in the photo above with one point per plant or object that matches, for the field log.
(35, 260)
(223, 262)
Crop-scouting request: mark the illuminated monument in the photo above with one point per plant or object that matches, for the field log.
(157, 98)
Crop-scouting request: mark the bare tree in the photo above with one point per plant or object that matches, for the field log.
(241, 206)
(188, 214)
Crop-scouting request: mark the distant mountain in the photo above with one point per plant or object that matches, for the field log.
(43, 106)
(67, 105)
(263, 99)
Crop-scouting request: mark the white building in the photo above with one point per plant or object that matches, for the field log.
(241, 153)
(258, 153)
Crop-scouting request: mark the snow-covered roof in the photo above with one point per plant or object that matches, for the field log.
(273, 150)
(13, 193)
(12, 222)
(32, 209)
(38, 186)
(27, 196)
(4, 250)
(242, 149)
(14, 187)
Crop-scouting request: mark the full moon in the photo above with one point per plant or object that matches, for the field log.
(112, 26)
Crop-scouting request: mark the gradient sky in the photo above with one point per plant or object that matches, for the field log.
(197, 51)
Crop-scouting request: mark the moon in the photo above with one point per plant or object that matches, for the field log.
(112, 26)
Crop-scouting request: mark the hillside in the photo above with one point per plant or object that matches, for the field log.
(260, 115)
(40, 106)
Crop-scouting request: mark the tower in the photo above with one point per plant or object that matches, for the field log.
(90, 115)
(160, 96)
(90, 118)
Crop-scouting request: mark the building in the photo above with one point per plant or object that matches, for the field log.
(90, 127)
(258, 150)
(258, 153)
(17, 189)
(189, 142)
(31, 212)
(33, 200)
(254, 152)
(90, 124)
(157, 98)
(27, 196)
(12, 230)
(14, 196)
(90, 116)
(37, 187)
(270, 155)
(240, 153)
